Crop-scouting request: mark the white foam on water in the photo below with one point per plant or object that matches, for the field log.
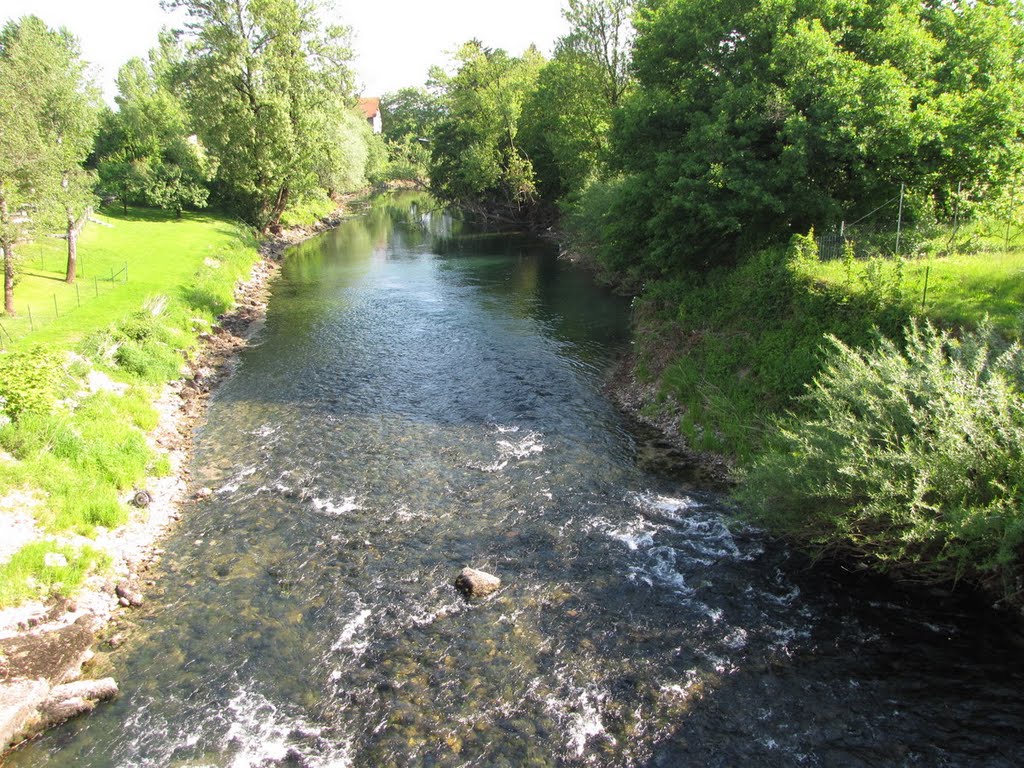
(662, 571)
(669, 506)
(636, 534)
(521, 449)
(686, 688)
(348, 504)
(736, 640)
(580, 715)
(266, 430)
(260, 733)
(347, 639)
(513, 450)
(235, 482)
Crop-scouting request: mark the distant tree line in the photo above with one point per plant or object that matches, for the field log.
(680, 134)
(250, 107)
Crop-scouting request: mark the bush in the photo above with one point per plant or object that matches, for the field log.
(29, 380)
(911, 459)
(734, 346)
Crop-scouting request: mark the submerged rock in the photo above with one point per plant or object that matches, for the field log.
(73, 699)
(474, 583)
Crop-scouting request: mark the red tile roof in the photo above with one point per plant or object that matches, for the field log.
(370, 107)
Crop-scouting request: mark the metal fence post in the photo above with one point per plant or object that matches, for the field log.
(899, 221)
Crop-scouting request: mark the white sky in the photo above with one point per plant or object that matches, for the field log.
(396, 41)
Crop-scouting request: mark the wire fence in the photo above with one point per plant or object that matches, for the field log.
(30, 316)
(888, 231)
(43, 261)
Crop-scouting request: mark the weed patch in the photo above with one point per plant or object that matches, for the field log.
(43, 569)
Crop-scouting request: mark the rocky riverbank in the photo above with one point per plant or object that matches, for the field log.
(51, 655)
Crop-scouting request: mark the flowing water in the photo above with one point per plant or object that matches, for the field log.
(424, 398)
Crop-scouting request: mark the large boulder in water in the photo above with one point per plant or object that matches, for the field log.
(474, 583)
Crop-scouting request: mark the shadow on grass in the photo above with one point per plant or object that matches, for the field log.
(55, 277)
(203, 299)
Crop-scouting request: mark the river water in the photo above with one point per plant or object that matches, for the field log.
(424, 397)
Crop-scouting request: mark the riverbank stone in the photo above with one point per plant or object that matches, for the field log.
(474, 583)
(128, 594)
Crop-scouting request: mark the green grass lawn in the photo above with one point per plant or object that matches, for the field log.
(141, 254)
(961, 290)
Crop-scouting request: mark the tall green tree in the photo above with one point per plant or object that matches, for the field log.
(265, 83)
(148, 153)
(757, 118)
(567, 118)
(50, 118)
(476, 157)
(409, 114)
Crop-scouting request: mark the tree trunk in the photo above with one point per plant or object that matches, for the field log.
(7, 243)
(8, 247)
(277, 210)
(69, 276)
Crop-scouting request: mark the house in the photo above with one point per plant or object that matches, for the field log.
(370, 108)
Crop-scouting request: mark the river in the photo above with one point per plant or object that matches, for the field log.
(423, 397)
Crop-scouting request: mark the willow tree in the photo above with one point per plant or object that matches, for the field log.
(265, 82)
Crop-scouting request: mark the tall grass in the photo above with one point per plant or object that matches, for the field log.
(45, 569)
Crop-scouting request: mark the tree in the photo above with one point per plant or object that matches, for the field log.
(755, 119)
(265, 83)
(602, 33)
(410, 114)
(476, 160)
(567, 118)
(149, 155)
(50, 120)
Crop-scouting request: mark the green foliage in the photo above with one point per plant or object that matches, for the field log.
(44, 568)
(50, 122)
(307, 210)
(734, 346)
(476, 158)
(568, 116)
(147, 155)
(755, 119)
(910, 457)
(29, 381)
(266, 84)
(409, 115)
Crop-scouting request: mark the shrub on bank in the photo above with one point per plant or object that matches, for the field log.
(910, 457)
(734, 346)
